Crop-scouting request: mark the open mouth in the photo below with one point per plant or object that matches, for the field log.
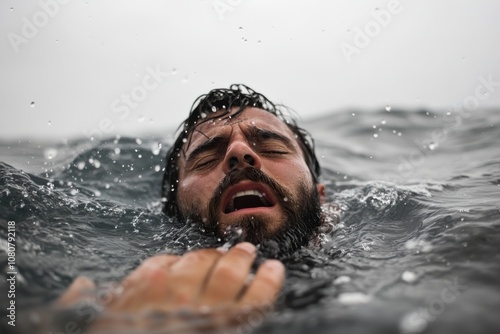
(247, 198)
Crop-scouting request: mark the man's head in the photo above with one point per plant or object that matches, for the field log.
(241, 161)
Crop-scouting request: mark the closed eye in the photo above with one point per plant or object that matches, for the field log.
(271, 142)
(207, 153)
(203, 163)
(274, 147)
(274, 152)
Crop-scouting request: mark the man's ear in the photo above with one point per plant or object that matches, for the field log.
(321, 192)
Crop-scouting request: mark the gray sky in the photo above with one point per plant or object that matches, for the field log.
(89, 66)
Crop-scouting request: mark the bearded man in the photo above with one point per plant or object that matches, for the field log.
(239, 162)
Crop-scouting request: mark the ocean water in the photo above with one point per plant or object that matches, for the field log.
(416, 248)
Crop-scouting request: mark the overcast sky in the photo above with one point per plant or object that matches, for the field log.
(79, 68)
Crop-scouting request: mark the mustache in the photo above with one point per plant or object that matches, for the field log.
(251, 174)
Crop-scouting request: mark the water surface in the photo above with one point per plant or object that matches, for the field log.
(416, 249)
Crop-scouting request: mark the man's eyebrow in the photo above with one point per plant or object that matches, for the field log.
(210, 144)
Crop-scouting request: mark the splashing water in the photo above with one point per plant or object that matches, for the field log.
(404, 227)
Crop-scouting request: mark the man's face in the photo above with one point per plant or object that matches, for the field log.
(247, 171)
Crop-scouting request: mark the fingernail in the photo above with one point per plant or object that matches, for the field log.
(274, 265)
(246, 247)
(221, 249)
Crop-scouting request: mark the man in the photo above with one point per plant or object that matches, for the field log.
(239, 161)
(240, 164)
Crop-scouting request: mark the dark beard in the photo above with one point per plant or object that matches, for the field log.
(302, 216)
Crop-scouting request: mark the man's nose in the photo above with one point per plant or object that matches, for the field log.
(240, 155)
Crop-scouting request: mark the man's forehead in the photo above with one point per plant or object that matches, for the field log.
(256, 117)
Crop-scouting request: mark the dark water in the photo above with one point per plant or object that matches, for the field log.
(417, 249)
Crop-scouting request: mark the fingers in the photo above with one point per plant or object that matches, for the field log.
(205, 277)
(151, 270)
(229, 275)
(77, 291)
(266, 285)
(189, 275)
(146, 284)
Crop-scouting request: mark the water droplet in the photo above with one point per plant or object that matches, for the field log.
(388, 108)
(50, 123)
(285, 199)
(157, 168)
(50, 153)
(155, 149)
(375, 135)
(203, 115)
(374, 126)
(117, 150)
(138, 141)
(383, 121)
(342, 280)
(240, 28)
(80, 165)
(140, 118)
(433, 146)
(97, 193)
(409, 277)
(32, 104)
(73, 192)
(174, 71)
(11, 9)
(353, 114)
(214, 108)
(353, 298)
(107, 186)
(184, 140)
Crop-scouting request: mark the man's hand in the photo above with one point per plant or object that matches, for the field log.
(198, 282)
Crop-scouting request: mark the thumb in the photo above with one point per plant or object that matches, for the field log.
(77, 291)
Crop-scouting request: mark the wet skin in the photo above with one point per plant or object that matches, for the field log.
(208, 282)
(255, 138)
(208, 277)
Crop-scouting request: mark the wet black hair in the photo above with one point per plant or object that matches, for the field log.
(223, 100)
